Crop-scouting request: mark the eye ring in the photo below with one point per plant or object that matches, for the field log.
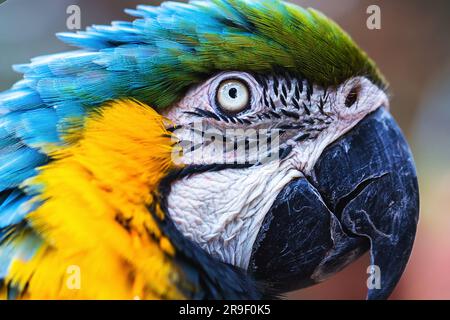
(233, 95)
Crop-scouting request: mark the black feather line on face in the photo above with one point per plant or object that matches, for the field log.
(280, 98)
(284, 90)
(275, 85)
(272, 104)
(197, 169)
(290, 114)
(308, 112)
(283, 101)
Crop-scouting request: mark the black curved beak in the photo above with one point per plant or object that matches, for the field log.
(362, 194)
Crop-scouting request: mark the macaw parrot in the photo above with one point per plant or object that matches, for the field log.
(112, 185)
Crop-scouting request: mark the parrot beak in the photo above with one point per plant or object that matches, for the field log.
(362, 194)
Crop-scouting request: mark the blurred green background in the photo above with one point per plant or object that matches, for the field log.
(413, 51)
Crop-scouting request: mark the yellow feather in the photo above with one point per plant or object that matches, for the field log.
(94, 217)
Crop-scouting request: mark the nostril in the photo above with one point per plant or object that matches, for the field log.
(352, 96)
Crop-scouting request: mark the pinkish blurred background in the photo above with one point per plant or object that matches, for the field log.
(413, 51)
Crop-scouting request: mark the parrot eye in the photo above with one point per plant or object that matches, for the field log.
(233, 96)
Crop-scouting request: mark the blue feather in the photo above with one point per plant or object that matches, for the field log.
(18, 164)
(19, 99)
(14, 208)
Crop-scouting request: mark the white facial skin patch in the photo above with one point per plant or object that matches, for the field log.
(223, 211)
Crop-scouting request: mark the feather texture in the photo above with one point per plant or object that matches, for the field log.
(153, 59)
(93, 213)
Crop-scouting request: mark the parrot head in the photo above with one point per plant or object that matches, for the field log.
(248, 141)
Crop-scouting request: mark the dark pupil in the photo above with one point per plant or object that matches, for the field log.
(233, 93)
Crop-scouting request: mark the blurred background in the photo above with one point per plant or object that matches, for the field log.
(412, 49)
